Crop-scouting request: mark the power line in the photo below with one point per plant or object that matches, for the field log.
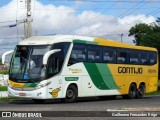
(152, 12)
(108, 1)
(84, 23)
(114, 19)
(11, 37)
(4, 26)
(8, 21)
(77, 9)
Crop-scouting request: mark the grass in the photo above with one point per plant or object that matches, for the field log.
(4, 71)
(3, 88)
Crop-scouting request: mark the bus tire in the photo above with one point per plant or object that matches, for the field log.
(38, 101)
(71, 94)
(140, 92)
(131, 93)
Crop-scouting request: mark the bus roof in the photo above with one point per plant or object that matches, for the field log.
(48, 40)
(113, 43)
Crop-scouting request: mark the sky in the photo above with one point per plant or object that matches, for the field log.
(96, 18)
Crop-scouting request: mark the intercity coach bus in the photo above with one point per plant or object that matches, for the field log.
(67, 67)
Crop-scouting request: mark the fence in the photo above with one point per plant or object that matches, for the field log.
(3, 79)
(3, 83)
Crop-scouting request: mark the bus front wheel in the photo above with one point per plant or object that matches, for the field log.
(71, 94)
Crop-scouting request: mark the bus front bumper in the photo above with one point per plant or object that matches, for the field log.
(32, 93)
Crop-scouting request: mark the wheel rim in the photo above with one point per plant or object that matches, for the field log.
(70, 93)
(141, 90)
(133, 90)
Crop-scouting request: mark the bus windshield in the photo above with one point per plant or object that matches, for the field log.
(27, 64)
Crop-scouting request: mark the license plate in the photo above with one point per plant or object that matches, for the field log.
(22, 94)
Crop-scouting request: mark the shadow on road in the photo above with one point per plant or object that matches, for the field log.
(80, 100)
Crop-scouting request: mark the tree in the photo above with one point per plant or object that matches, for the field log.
(146, 35)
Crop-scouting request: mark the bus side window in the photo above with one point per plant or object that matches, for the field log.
(94, 53)
(55, 64)
(144, 58)
(121, 56)
(153, 58)
(109, 55)
(134, 57)
(78, 54)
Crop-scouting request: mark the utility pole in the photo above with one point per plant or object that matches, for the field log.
(28, 27)
(121, 38)
(25, 33)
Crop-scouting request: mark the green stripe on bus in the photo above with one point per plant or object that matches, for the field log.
(107, 76)
(79, 41)
(85, 42)
(95, 76)
(90, 42)
(101, 76)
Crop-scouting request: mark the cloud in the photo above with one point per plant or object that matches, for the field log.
(140, 18)
(50, 19)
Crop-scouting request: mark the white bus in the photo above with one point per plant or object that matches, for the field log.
(67, 67)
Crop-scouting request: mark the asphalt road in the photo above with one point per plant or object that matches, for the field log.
(150, 103)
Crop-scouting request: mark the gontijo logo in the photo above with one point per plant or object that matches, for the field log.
(130, 70)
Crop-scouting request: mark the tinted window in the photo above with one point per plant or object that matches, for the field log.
(94, 53)
(56, 60)
(144, 58)
(153, 58)
(134, 57)
(121, 56)
(109, 55)
(27, 64)
(78, 54)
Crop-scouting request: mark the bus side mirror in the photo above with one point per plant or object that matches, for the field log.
(47, 54)
(4, 55)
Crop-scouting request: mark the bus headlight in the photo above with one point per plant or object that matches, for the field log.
(43, 85)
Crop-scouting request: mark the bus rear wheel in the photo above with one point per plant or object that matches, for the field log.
(71, 94)
(140, 92)
(131, 93)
